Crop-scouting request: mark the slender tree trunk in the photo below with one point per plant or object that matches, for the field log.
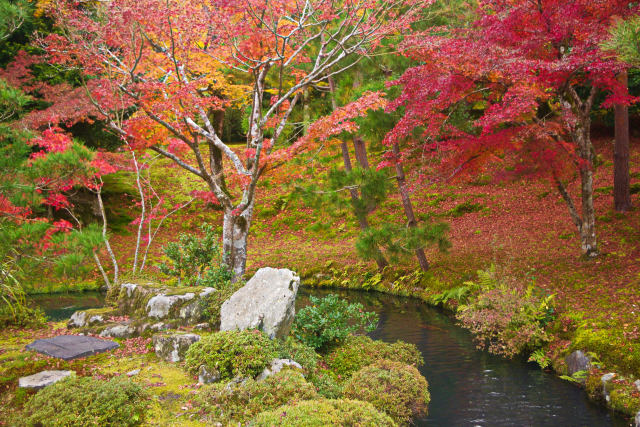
(360, 150)
(235, 233)
(588, 227)
(408, 207)
(306, 111)
(621, 184)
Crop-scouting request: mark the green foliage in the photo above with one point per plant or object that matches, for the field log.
(392, 387)
(460, 294)
(212, 303)
(239, 404)
(540, 357)
(12, 16)
(197, 260)
(360, 351)
(13, 306)
(463, 209)
(232, 353)
(305, 355)
(12, 100)
(401, 240)
(625, 40)
(320, 413)
(506, 319)
(328, 321)
(87, 402)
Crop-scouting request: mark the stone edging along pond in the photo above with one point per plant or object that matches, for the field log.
(619, 393)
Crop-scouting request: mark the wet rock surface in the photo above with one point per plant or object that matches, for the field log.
(173, 347)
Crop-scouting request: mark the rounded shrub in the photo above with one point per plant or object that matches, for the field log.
(359, 351)
(232, 353)
(87, 402)
(238, 405)
(301, 353)
(316, 413)
(392, 387)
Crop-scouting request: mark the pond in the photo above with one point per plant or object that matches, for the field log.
(468, 387)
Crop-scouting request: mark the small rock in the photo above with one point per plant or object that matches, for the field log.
(95, 319)
(637, 420)
(119, 331)
(605, 379)
(637, 384)
(266, 302)
(234, 382)
(130, 287)
(206, 377)
(160, 305)
(203, 327)
(78, 320)
(276, 366)
(172, 348)
(577, 361)
(43, 379)
(133, 373)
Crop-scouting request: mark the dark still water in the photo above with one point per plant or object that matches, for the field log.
(470, 387)
(61, 306)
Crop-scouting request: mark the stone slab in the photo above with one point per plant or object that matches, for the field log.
(69, 347)
(43, 379)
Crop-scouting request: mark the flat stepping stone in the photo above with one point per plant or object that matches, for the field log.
(69, 347)
(43, 379)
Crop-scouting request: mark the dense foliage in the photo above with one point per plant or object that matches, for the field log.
(196, 261)
(320, 413)
(506, 319)
(327, 321)
(88, 402)
(392, 387)
(360, 351)
(240, 404)
(231, 353)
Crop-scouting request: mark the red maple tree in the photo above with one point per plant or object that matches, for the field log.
(533, 70)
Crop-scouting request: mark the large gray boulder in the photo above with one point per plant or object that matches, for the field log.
(266, 302)
(43, 379)
(173, 347)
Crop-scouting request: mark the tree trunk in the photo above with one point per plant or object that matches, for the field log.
(306, 111)
(621, 184)
(235, 231)
(588, 227)
(408, 207)
(360, 149)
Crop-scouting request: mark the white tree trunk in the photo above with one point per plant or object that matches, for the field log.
(235, 231)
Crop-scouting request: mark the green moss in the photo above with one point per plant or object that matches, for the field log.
(232, 353)
(320, 413)
(238, 405)
(87, 402)
(360, 351)
(605, 342)
(625, 398)
(392, 387)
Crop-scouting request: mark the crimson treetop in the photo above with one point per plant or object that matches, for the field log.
(534, 68)
(171, 60)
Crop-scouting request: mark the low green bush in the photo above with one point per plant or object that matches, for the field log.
(321, 413)
(238, 405)
(232, 353)
(327, 321)
(85, 401)
(306, 356)
(358, 352)
(392, 387)
(326, 383)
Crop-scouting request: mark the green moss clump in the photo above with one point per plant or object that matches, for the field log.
(360, 351)
(232, 353)
(87, 402)
(320, 413)
(606, 343)
(301, 353)
(212, 303)
(392, 387)
(238, 405)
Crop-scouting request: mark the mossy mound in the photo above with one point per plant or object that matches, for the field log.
(87, 402)
(238, 405)
(359, 351)
(392, 387)
(320, 413)
(232, 353)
